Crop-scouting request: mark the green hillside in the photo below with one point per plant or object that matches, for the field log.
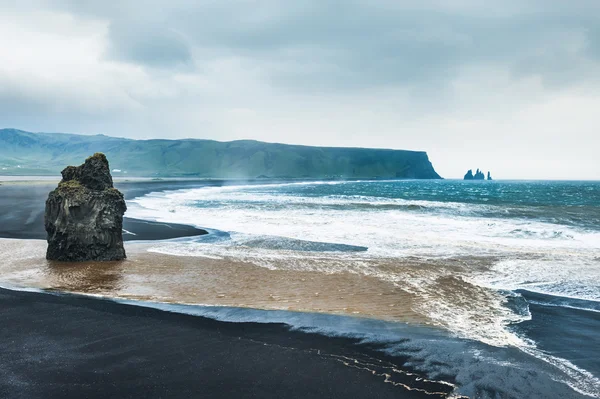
(25, 153)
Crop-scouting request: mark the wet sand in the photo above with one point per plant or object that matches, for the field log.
(73, 347)
(191, 280)
(357, 291)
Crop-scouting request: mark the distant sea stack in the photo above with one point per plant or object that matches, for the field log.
(84, 215)
(477, 176)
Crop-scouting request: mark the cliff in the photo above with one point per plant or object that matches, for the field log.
(46, 153)
(84, 214)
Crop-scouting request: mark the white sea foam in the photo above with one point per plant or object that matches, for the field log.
(567, 276)
(386, 232)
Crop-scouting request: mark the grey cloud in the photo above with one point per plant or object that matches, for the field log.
(341, 45)
(39, 114)
(592, 32)
(149, 45)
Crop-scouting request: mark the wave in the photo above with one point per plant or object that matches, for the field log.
(552, 276)
(544, 234)
(544, 299)
(377, 223)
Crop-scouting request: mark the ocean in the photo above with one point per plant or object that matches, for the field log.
(508, 269)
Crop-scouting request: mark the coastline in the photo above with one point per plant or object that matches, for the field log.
(218, 284)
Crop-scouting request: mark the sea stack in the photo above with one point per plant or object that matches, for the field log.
(84, 215)
(477, 176)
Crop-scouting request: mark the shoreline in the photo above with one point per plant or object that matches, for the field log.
(73, 346)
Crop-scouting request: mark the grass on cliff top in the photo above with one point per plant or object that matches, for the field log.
(70, 185)
(73, 186)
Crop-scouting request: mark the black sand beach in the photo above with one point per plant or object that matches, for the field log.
(73, 347)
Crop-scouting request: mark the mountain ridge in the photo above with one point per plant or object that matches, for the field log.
(23, 152)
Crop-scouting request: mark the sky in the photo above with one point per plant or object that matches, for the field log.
(511, 86)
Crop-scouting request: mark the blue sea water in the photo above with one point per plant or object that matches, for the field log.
(506, 264)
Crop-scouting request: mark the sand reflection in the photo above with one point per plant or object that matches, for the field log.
(85, 277)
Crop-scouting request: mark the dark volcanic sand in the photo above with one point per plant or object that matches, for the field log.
(75, 347)
(22, 211)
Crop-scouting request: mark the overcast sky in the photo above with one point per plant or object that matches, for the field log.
(510, 86)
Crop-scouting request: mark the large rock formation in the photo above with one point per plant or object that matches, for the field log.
(84, 214)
